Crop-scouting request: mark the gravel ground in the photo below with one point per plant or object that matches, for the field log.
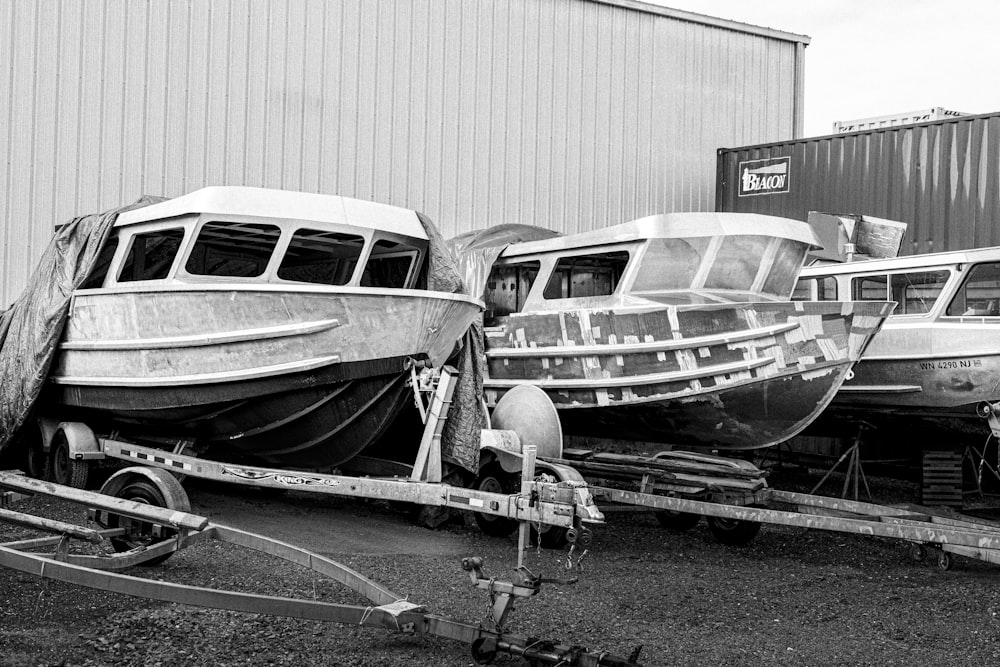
(792, 597)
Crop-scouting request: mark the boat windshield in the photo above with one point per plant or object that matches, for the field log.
(740, 263)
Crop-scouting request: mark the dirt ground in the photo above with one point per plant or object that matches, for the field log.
(791, 597)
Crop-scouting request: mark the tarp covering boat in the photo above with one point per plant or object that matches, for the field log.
(477, 250)
(30, 330)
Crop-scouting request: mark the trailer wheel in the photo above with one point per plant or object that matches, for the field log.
(678, 521)
(944, 561)
(36, 461)
(65, 470)
(733, 532)
(493, 479)
(149, 486)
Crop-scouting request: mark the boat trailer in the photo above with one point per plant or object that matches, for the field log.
(147, 534)
(733, 496)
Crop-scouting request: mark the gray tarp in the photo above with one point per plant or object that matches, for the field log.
(472, 255)
(476, 251)
(467, 415)
(30, 330)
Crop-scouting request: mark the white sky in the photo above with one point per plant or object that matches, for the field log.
(881, 57)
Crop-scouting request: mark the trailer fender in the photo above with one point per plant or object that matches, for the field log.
(174, 496)
(83, 445)
(48, 428)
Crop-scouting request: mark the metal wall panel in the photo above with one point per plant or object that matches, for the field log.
(572, 114)
(942, 178)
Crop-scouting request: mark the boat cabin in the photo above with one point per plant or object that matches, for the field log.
(677, 258)
(958, 286)
(256, 235)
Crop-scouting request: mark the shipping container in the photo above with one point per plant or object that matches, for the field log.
(892, 120)
(941, 178)
(571, 114)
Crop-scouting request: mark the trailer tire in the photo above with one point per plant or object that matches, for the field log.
(493, 479)
(144, 485)
(36, 461)
(678, 521)
(65, 470)
(733, 532)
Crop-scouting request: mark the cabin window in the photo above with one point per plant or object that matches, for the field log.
(670, 264)
(101, 265)
(815, 289)
(737, 263)
(232, 249)
(327, 258)
(980, 295)
(388, 265)
(870, 288)
(586, 275)
(507, 288)
(151, 255)
(785, 267)
(916, 293)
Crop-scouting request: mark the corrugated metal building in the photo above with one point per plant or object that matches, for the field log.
(942, 178)
(572, 114)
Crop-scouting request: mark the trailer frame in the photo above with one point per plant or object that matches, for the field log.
(733, 496)
(386, 610)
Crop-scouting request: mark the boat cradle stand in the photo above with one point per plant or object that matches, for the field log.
(178, 529)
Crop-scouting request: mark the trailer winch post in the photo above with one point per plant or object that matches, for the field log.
(527, 489)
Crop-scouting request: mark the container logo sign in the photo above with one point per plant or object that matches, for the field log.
(764, 177)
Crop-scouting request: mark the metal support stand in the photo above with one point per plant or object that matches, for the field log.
(854, 469)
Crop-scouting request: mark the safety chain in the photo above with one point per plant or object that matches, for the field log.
(491, 605)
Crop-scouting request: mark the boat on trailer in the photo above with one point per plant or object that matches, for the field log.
(258, 324)
(936, 358)
(674, 328)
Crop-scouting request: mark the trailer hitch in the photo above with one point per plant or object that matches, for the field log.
(502, 595)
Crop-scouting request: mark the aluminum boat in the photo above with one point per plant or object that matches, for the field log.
(673, 328)
(935, 359)
(257, 324)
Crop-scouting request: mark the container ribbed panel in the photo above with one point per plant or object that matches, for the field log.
(941, 178)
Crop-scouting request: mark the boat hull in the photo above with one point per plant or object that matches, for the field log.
(922, 383)
(726, 376)
(296, 378)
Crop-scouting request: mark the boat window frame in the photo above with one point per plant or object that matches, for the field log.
(298, 225)
(944, 296)
(126, 236)
(419, 252)
(192, 224)
(207, 219)
(516, 261)
(814, 290)
(548, 259)
(965, 271)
